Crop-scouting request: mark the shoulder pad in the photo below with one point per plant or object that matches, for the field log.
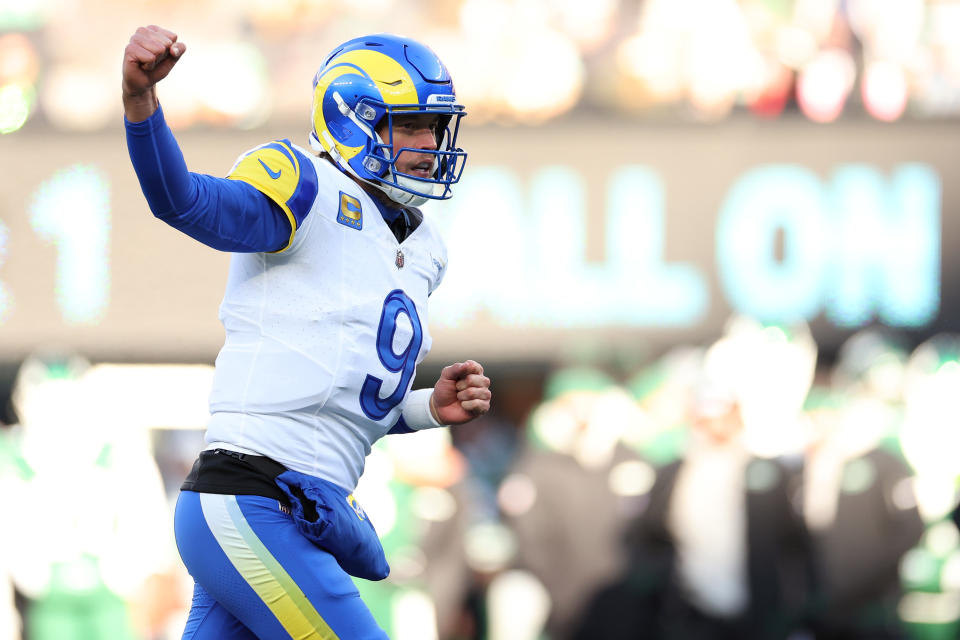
(282, 173)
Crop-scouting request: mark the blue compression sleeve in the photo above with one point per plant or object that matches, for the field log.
(228, 215)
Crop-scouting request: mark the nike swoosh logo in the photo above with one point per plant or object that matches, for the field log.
(273, 174)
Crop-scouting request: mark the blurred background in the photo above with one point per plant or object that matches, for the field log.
(707, 251)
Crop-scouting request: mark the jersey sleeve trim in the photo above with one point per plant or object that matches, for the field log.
(283, 174)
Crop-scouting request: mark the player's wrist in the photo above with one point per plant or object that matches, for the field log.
(419, 410)
(139, 105)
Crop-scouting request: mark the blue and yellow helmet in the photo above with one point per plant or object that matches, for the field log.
(374, 77)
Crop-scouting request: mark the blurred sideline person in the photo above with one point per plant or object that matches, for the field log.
(10, 624)
(929, 440)
(720, 552)
(9, 616)
(89, 501)
(862, 514)
(567, 500)
(415, 487)
(325, 313)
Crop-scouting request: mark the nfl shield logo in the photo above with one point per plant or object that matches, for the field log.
(399, 260)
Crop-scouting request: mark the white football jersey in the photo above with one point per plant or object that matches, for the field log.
(322, 338)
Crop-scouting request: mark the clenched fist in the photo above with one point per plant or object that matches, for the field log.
(461, 394)
(147, 59)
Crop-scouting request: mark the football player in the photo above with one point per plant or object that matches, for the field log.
(325, 313)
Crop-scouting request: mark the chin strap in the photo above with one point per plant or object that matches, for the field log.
(399, 195)
(411, 184)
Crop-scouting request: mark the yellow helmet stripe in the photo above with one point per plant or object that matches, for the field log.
(391, 79)
(395, 84)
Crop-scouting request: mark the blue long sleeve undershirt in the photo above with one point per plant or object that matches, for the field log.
(228, 215)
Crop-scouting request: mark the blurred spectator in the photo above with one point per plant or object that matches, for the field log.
(872, 362)
(567, 500)
(420, 477)
(665, 391)
(9, 480)
(852, 486)
(929, 436)
(9, 617)
(720, 552)
(930, 439)
(92, 521)
(489, 445)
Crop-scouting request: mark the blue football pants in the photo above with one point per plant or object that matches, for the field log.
(257, 577)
